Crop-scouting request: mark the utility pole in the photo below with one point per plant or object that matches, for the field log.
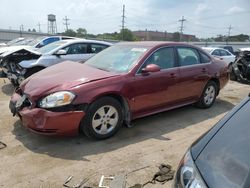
(123, 21)
(182, 27)
(228, 34)
(21, 30)
(39, 27)
(229, 30)
(66, 23)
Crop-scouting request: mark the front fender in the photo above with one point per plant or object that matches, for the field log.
(28, 63)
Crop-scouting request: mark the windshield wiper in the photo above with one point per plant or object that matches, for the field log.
(102, 69)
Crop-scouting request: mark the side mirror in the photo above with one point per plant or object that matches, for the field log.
(61, 52)
(151, 68)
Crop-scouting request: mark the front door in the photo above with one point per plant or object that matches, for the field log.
(152, 91)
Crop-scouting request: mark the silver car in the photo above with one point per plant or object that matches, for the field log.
(26, 62)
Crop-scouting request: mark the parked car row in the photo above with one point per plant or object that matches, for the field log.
(32, 43)
(131, 80)
(22, 63)
(12, 42)
(221, 53)
(121, 83)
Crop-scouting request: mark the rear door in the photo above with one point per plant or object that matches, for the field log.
(193, 73)
(155, 90)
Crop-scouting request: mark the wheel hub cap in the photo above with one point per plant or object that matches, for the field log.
(105, 119)
(209, 95)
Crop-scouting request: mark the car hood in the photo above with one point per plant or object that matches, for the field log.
(12, 48)
(22, 50)
(63, 76)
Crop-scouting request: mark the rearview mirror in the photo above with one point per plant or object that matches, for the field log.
(61, 52)
(151, 68)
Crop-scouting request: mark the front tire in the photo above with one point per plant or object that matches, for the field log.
(103, 118)
(208, 95)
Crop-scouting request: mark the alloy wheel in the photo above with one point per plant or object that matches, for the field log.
(209, 95)
(105, 119)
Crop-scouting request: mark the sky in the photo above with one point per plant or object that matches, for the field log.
(204, 18)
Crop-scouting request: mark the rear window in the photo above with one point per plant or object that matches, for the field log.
(205, 58)
(225, 161)
(187, 56)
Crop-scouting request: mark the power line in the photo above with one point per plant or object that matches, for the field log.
(66, 22)
(182, 26)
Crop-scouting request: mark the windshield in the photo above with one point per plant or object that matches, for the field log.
(46, 49)
(117, 58)
(35, 41)
(13, 42)
(24, 42)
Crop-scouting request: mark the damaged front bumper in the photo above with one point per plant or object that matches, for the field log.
(45, 122)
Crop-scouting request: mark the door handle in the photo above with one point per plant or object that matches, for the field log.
(204, 70)
(172, 75)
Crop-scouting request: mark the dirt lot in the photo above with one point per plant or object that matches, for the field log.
(31, 160)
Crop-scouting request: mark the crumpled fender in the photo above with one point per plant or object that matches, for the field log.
(20, 52)
(28, 63)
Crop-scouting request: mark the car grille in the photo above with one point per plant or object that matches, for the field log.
(27, 102)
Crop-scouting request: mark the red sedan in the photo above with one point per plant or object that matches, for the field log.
(122, 83)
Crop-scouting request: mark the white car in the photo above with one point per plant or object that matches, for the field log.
(221, 53)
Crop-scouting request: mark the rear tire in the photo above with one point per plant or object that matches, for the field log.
(208, 95)
(232, 74)
(103, 118)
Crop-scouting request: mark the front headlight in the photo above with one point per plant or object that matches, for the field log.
(60, 98)
(187, 175)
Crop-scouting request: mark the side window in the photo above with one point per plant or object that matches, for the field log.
(224, 53)
(96, 48)
(164, 58)
(216, 53)
(76, 49)
(188, 56)
(205, 58)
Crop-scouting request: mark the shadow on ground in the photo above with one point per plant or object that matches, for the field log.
(8, 89)
(76, 148)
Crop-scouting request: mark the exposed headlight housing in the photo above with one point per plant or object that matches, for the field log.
(57, 99)
(188, 175)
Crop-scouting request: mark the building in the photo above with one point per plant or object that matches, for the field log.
(147, 35)
(7, 35)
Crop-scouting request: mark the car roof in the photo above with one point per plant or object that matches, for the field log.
(153, 43)
(86, 41)
(213, 48)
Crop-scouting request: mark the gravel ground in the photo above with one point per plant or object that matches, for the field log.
(31, 160)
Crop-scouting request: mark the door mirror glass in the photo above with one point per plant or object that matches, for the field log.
(61, 52)
(151, 68)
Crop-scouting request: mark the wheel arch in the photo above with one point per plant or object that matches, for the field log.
(217, 81)
(122, 100)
